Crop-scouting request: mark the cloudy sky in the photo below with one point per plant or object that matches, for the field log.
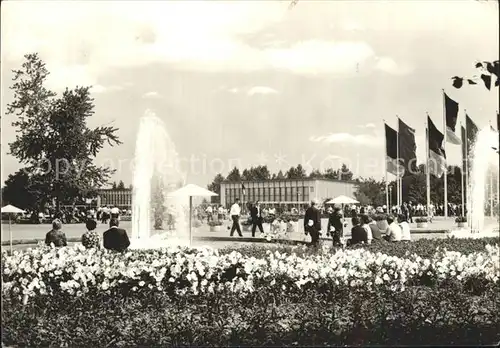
(254, 82)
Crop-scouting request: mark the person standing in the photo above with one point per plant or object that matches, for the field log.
(312, 223)
(115, 213)
(209, 212)
(256, 215)
(335, 226)
(235, 216)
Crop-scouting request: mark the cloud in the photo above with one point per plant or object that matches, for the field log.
(316, 56)
(349, 139)
(99, 89)
(388, 65)
(368, 125)
(151, 95)
(261, 90)
(205, 36)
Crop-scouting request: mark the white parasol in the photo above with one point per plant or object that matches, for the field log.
(10, 209)
(191, 191)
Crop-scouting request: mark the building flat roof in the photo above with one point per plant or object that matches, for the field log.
(304, 179)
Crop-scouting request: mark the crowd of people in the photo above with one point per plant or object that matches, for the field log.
(69, 215)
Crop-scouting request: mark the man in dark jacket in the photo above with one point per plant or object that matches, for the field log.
(115, 238)
(312, 223)
(358, 233)
(335, 223)
(256, 215)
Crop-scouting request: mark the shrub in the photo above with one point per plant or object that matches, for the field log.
(461, 219)
(254, 302)
(421, 220)
(425, 248)
(215, 223)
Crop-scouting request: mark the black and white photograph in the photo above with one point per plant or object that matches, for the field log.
(242, 173)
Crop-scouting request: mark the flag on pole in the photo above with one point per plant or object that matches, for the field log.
(407, 148)
(391, 150)
(437, 155)
(451, 112)
(472, 131)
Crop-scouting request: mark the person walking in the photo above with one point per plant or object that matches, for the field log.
(312, 223)
(235, 216)
(256, 215)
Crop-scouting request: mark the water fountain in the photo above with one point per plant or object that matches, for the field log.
(156, 162)
(479, 161)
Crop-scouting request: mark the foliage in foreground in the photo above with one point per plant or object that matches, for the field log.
(189, 297)
(424, 248)
(419, 315)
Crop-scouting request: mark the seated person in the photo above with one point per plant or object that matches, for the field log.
(405, 228)
(376, 231)
(393, 231)
(365, 220)
(358, 233)
(56, 236)
(90, 239)
(115, 238)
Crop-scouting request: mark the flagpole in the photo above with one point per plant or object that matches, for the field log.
(427, 169)
(467, 188)
(397, 169)
(462, 175)
(498, 172)
(491, 192)
(446, 164)
(386, 179)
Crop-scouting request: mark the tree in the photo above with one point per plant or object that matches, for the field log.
(53, 141)
(121, 185)
(316, 174)
(331, 174)
(345, 173)
(215, 187)
(370, 191)
(234, 175)
(280, 175)
(114, 186)
(21, 191)
(490, 75)
(296, 173)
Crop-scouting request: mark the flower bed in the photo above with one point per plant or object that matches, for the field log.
(181, 296)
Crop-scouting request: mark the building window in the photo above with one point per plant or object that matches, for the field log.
(311, 189)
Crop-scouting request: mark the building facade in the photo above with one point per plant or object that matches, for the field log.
(288, 192)
(120, 198)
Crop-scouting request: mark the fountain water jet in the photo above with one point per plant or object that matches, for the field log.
(156, 161)
(479, 160)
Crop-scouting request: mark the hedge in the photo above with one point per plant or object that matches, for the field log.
(419, 316)
(424, 248)
(202, 297)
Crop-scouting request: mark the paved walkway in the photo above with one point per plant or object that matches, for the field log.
(74, 231)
